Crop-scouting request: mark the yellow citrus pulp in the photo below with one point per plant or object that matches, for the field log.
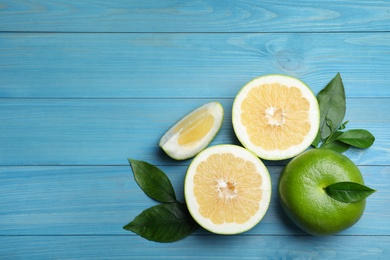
(227, 189)
(276, 116)
(193, 132)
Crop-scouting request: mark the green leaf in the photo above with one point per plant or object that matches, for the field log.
(329, 123)
(357, 137)
(317, 140)
(164, 223)
(153, 181)
(336, 146)
(331, 143)
(343, 125)
(348, 192)
(333, 136)
(332, 105)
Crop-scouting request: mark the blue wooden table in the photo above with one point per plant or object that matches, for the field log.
(86, 84)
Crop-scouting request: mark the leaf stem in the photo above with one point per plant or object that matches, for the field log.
(332, 132)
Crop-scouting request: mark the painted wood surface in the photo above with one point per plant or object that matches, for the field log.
(212, 247)
(194, 16)
(99, 200)
(86, 84)
(200, 65)
(108, 131)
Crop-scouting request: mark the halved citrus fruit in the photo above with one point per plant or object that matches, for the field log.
(276, 116)
(227, 189)
(193, 132)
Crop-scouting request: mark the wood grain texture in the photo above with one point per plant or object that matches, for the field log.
(194, 16)
(213, 247)
(91, 200)
(86, 84)
(186, 65)
(108, 131)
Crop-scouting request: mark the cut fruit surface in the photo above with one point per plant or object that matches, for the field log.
(227, 189)
(193, 132)
(276, 116)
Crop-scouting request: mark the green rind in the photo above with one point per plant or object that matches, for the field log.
(303, 197)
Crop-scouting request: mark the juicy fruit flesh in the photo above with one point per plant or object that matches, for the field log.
(302, 194)
(227, 189)
(277, 111)
(194, 127)
(193, 133)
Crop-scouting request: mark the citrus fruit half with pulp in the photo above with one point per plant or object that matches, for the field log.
(276, 116)
(304, 199)
(227, 189)
(193, 132)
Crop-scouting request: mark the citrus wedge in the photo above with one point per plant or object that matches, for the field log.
(193, 132)
(276, 116)
(227, 189)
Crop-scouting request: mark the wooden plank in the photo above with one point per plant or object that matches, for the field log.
(186, 65)
(86, 84)
(197, 247)
(98, 200)
(194, 16)
(108, 131)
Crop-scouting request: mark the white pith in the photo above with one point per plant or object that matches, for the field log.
(269, 114)
(226, 189)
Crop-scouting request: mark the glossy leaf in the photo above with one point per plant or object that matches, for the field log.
(331, 143)
(343, 125)
(164, 223)
(153, 181)
(332, 105)
(336, 146)
(357, 137)
(348, 192)
(317, 140)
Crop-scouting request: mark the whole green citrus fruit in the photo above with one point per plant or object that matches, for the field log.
(304, 199)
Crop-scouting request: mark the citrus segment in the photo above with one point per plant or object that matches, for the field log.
(227, 189)
(195, 127)
(193, 132)
(276, 116)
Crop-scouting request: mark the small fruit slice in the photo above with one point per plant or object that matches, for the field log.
(227, 189)
(194, 132)
(276, 116)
